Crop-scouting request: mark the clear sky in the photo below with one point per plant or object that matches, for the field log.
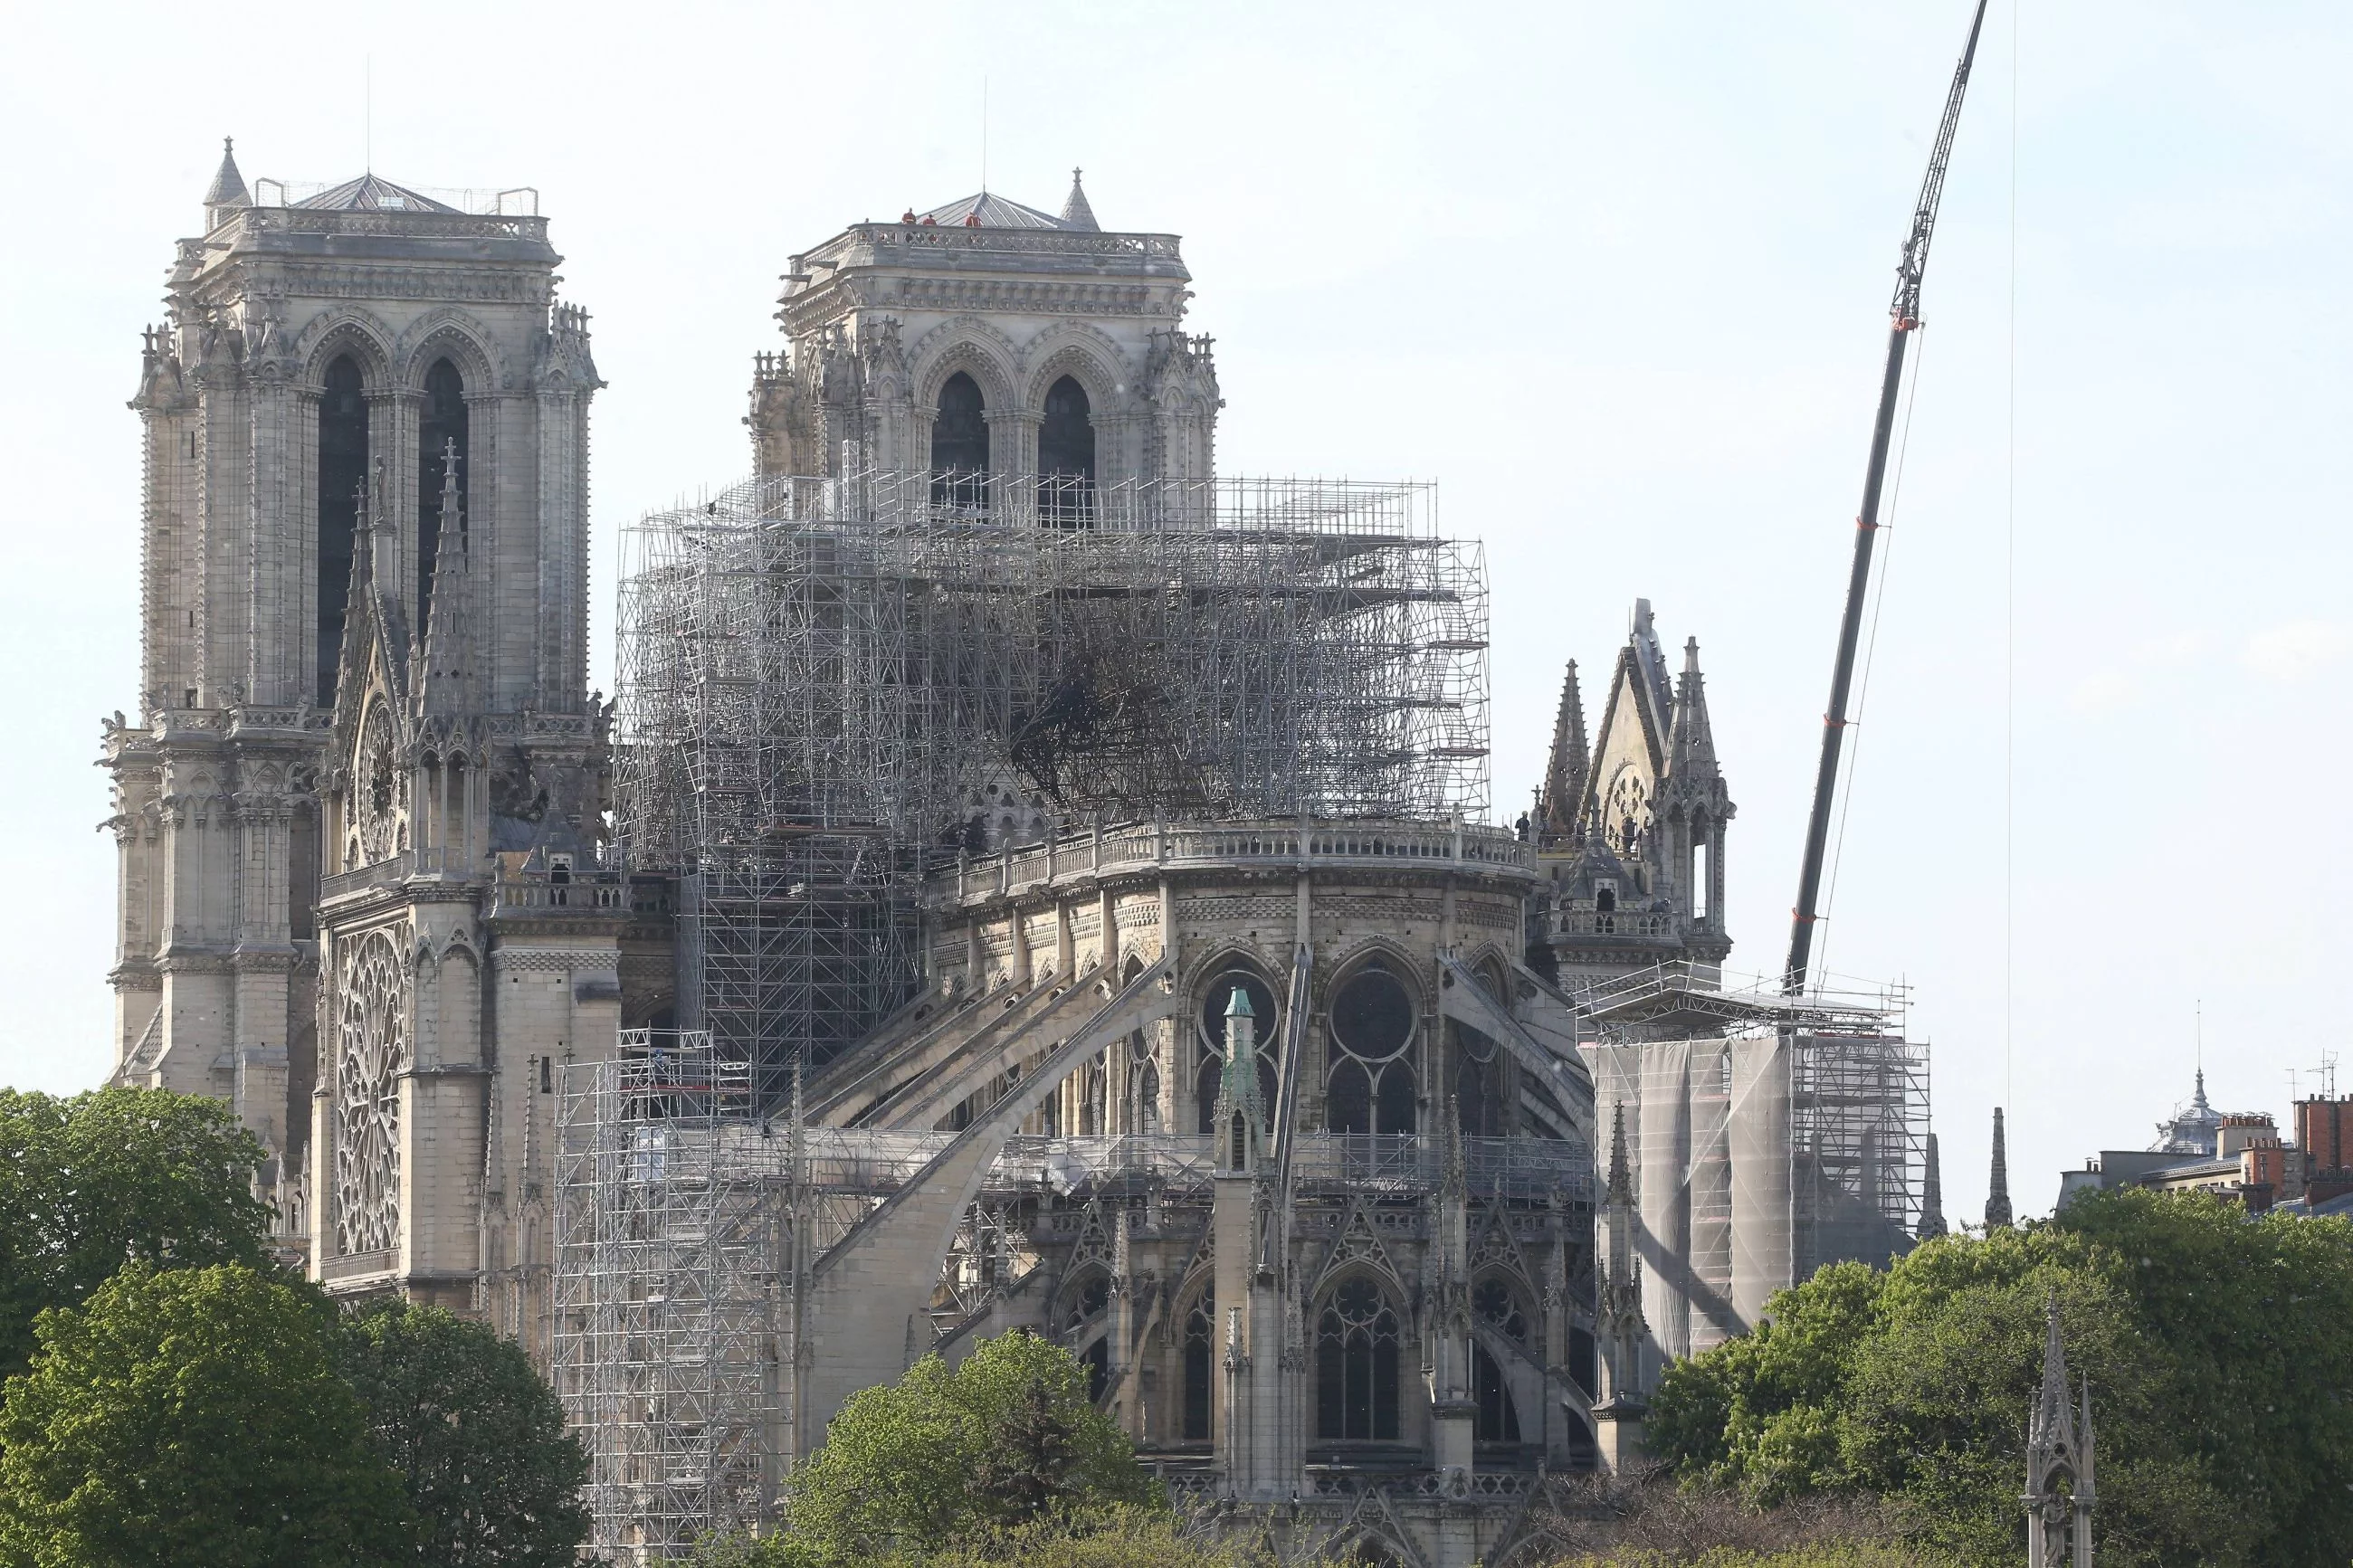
(1614, 275)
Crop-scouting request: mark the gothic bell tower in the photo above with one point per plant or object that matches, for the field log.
(328, 365)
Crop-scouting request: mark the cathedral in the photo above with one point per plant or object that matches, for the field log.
(1076, 858)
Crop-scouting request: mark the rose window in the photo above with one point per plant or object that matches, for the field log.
(371, 1053)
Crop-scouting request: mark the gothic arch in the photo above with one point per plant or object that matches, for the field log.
(1357, 1247)
(1403, 963)
(1070, 1310)
(346, 331)
(970, 344)
(1085, 353)
(462, 339)
(1233, 955)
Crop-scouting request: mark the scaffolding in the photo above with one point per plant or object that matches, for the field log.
(1772, 1133)
(682, 1220)
(829, 686)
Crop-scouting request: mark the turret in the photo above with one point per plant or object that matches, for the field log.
(1076, 213)
(226, 196)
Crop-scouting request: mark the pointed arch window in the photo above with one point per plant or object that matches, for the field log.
(960, 444)
(1498, 1420)
(441, 428)
(1371, 1085)
(1066, 454)
(343, 471)
(1357, 1365)
(1200, 1366)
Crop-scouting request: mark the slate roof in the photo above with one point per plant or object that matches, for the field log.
(370, 193)
(995, 212)
(228, 189)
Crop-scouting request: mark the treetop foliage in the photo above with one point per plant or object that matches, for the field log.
(117, 1175)
(474, 1435)
(2220, 1371)
(189, 1415)
(1005, 1438)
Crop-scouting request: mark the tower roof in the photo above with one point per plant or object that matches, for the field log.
(1076, 213)
(2190, 1129)
(993, 211)
(370, 193)
(228, 189)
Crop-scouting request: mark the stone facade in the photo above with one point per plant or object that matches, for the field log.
(367, 759)
(986, 337)
(1630, 828)
(1272, 1127)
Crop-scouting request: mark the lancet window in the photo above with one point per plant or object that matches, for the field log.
(960, 444)
(1357, 1365)
(1066, 454)
(1200, 1365)
(343, 470)
(442, 427)
(1371, 1085)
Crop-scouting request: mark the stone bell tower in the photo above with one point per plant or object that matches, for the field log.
(325, 359)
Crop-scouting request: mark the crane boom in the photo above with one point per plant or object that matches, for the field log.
(1904, 316)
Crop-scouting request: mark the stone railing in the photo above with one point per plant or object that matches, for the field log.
(1517, 1167)
(1310, 846)
(386, 873)
(587, 893)
(1657, 925)
(919, 240)
(408, 224)
(1335, 1482)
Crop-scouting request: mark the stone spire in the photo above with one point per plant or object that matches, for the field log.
(1932, 1197)
(1572, 759)
(1619, 1329)
(2059, 1489)
(1238, 1091)
(1998, 1185)
(448, 659)
(1621, 1177)
(1076, 213)
(1691, 743)
(226, 194)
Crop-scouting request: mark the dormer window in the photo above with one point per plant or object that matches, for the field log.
(1604, 898)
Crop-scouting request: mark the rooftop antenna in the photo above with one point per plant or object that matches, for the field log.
(984, 135)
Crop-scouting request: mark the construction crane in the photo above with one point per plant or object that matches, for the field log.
(1904, 316)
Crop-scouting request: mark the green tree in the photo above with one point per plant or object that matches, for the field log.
(1008, 1435)
(115, 1176)
(2222, 1378)
(190, 1416)
(475, 1436)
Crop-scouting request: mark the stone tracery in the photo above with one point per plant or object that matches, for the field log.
(372, 1053)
